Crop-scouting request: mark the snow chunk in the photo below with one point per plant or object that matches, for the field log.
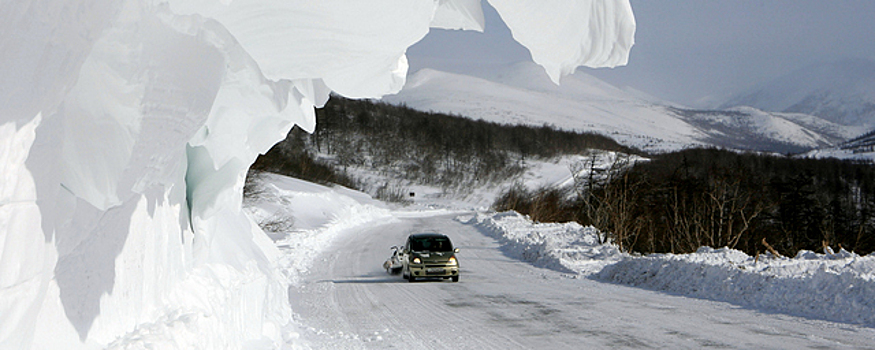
(299, 39)
(459, 14)
(23, 257)
(356, 47)
(565, 34)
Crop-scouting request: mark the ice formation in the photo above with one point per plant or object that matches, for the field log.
(127, 127)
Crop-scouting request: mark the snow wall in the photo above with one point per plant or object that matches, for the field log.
(127, 128)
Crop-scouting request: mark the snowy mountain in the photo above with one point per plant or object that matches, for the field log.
(750, 128)
(524, 95)
(521, 93)
(842, 92)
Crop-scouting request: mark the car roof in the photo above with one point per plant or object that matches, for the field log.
(427, 235)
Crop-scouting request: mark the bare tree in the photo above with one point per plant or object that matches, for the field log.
(607, 193)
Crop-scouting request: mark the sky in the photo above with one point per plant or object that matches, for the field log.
(690, 51)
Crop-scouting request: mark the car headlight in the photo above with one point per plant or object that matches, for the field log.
(417, 261)
(452, 261)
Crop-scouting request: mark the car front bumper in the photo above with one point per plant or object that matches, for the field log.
(429, 270)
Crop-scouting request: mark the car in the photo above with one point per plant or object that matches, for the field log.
(429, 255)
(393, 264)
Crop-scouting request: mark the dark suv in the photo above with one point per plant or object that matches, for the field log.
(429, 255)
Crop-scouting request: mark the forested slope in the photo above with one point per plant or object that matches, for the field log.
(427, 148)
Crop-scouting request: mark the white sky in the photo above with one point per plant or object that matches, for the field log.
(689, 51)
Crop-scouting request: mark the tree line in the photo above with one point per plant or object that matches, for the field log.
(674, 202)
(678, 202)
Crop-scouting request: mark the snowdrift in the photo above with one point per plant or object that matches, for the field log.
(834, 286)
(127, 128)
(567, 247)
(319, 213)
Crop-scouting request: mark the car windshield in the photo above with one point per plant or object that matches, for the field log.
(433, 244)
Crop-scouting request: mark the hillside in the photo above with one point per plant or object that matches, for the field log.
(522, 94)
(747, 128)
(386, 149)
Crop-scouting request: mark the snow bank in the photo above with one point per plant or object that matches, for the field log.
(566, 247)
(834, 286)
(126, 130)
(319, 215)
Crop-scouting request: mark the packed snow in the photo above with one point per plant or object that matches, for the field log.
(128, 127)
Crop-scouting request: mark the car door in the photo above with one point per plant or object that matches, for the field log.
(405, 254)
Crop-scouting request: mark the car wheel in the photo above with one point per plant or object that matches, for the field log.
(411, 279)
(455, 278)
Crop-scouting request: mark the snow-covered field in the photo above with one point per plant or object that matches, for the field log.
(536, 285)
(835, 286)
(343, 299)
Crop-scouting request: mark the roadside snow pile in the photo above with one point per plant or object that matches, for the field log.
(835, 286)
(567, 247)
(318, 214)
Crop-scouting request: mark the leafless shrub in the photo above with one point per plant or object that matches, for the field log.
(546, 204)
(252, 188)
(392, 192)
(277, 224)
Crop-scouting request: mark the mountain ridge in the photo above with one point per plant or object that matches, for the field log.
(521, 94)
(839, 91)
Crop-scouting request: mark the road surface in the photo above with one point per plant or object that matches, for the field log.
(349, 302)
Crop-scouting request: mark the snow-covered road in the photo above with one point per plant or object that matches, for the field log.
(347, 301)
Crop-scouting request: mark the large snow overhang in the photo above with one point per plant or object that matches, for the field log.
(127, 128)
(359, 50)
